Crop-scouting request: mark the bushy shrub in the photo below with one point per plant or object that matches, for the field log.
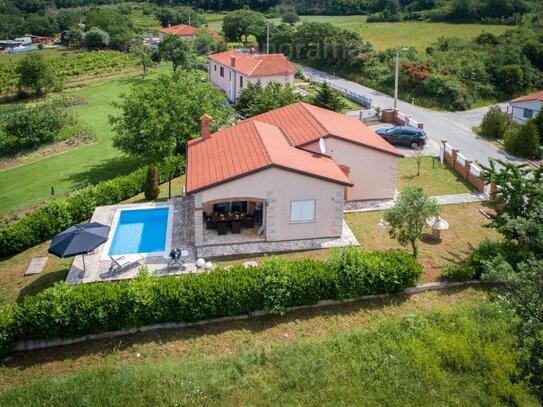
(65, 311)
(523, 141)
(28, 129)
(493, 124)
(489, 250)
(457, 272)
(360, 273)
(55, 215)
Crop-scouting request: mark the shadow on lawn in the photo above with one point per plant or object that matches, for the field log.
(43, 282)
(105, 347)
(104, 170)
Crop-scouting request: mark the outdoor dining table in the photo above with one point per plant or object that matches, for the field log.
(229, 219)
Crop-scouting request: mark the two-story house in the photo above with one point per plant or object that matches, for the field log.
(232, 71)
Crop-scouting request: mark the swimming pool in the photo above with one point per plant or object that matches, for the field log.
(142, 231)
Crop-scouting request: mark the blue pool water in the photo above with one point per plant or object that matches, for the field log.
(140, 231)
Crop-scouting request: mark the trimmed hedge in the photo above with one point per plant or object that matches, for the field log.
(56, 215)
(66, 311)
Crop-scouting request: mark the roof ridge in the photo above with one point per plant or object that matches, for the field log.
(305, 106)
(253, 124)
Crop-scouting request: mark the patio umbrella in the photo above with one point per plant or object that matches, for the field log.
(79, 239)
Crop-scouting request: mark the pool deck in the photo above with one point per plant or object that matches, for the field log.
(98, 266)
(99, 269)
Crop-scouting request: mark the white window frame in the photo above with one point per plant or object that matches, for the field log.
(313, 219)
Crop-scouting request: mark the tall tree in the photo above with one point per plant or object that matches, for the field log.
(178, 51)
(35, 74)
(256, 99)
(158, 116)
(238, 25)
(329, 98)
(143, 55)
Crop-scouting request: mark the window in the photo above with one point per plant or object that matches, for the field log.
(302, 211)
(230, 76)
(222, 71)
(241, 81)
(528, 113)
(215, 67)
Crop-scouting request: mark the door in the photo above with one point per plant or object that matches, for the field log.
(346, 170)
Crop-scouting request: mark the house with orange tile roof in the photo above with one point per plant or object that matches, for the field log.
(526, 107)
(187, 32)
(287, 173)
(232, 70)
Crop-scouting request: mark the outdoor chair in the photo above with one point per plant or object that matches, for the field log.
(249, 222)
(120, 263)
(236, 226)
(210, 224)
(222, 228)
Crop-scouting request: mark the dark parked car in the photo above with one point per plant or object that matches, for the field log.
(404, 135)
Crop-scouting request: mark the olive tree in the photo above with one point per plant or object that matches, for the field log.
(408, 217)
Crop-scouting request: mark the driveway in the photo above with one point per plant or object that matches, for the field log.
(452, 126)
(432, 148)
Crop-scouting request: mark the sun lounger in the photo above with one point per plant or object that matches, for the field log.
(119, 263)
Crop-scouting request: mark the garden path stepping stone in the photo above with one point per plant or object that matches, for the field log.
(36, 266)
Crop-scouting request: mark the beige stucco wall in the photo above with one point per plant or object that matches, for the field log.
(372, 172)
(230, 82)
(278, 188)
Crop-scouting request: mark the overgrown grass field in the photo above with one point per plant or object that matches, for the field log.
(463, 356)
(403, 34)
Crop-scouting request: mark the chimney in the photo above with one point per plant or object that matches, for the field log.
(205, 126)
(169, 24)
(252, 50)
(233, 61)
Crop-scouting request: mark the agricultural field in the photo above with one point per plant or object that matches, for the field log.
(392, 35)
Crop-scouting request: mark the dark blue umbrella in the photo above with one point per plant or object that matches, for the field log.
(79, 239)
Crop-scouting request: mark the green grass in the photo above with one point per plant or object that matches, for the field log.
(392, 35)
(467, 356)
(434, 178)
(26, 186)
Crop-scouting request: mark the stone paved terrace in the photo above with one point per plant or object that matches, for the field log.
(98, 269)
(240, 249)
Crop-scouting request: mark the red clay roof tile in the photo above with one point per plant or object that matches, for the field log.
(529, 98)
(249, 147)
(184, 30)
(255, 65)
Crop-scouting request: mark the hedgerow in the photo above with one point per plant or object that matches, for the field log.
(56, 215)
(67, 311)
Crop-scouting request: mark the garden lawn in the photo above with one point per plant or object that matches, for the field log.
(434, 178)
(392, 35)
(466, 232)
(465, 356)
(26, 186)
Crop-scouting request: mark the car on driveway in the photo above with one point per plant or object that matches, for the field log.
(404, 135)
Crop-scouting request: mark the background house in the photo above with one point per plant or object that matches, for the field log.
(526, 107)
(187, 32)
(233, 70)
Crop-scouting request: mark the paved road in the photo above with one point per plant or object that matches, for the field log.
(453, 126)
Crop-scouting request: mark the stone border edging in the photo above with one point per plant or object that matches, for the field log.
(33, 344)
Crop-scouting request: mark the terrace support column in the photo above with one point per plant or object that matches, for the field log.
(198, 227)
